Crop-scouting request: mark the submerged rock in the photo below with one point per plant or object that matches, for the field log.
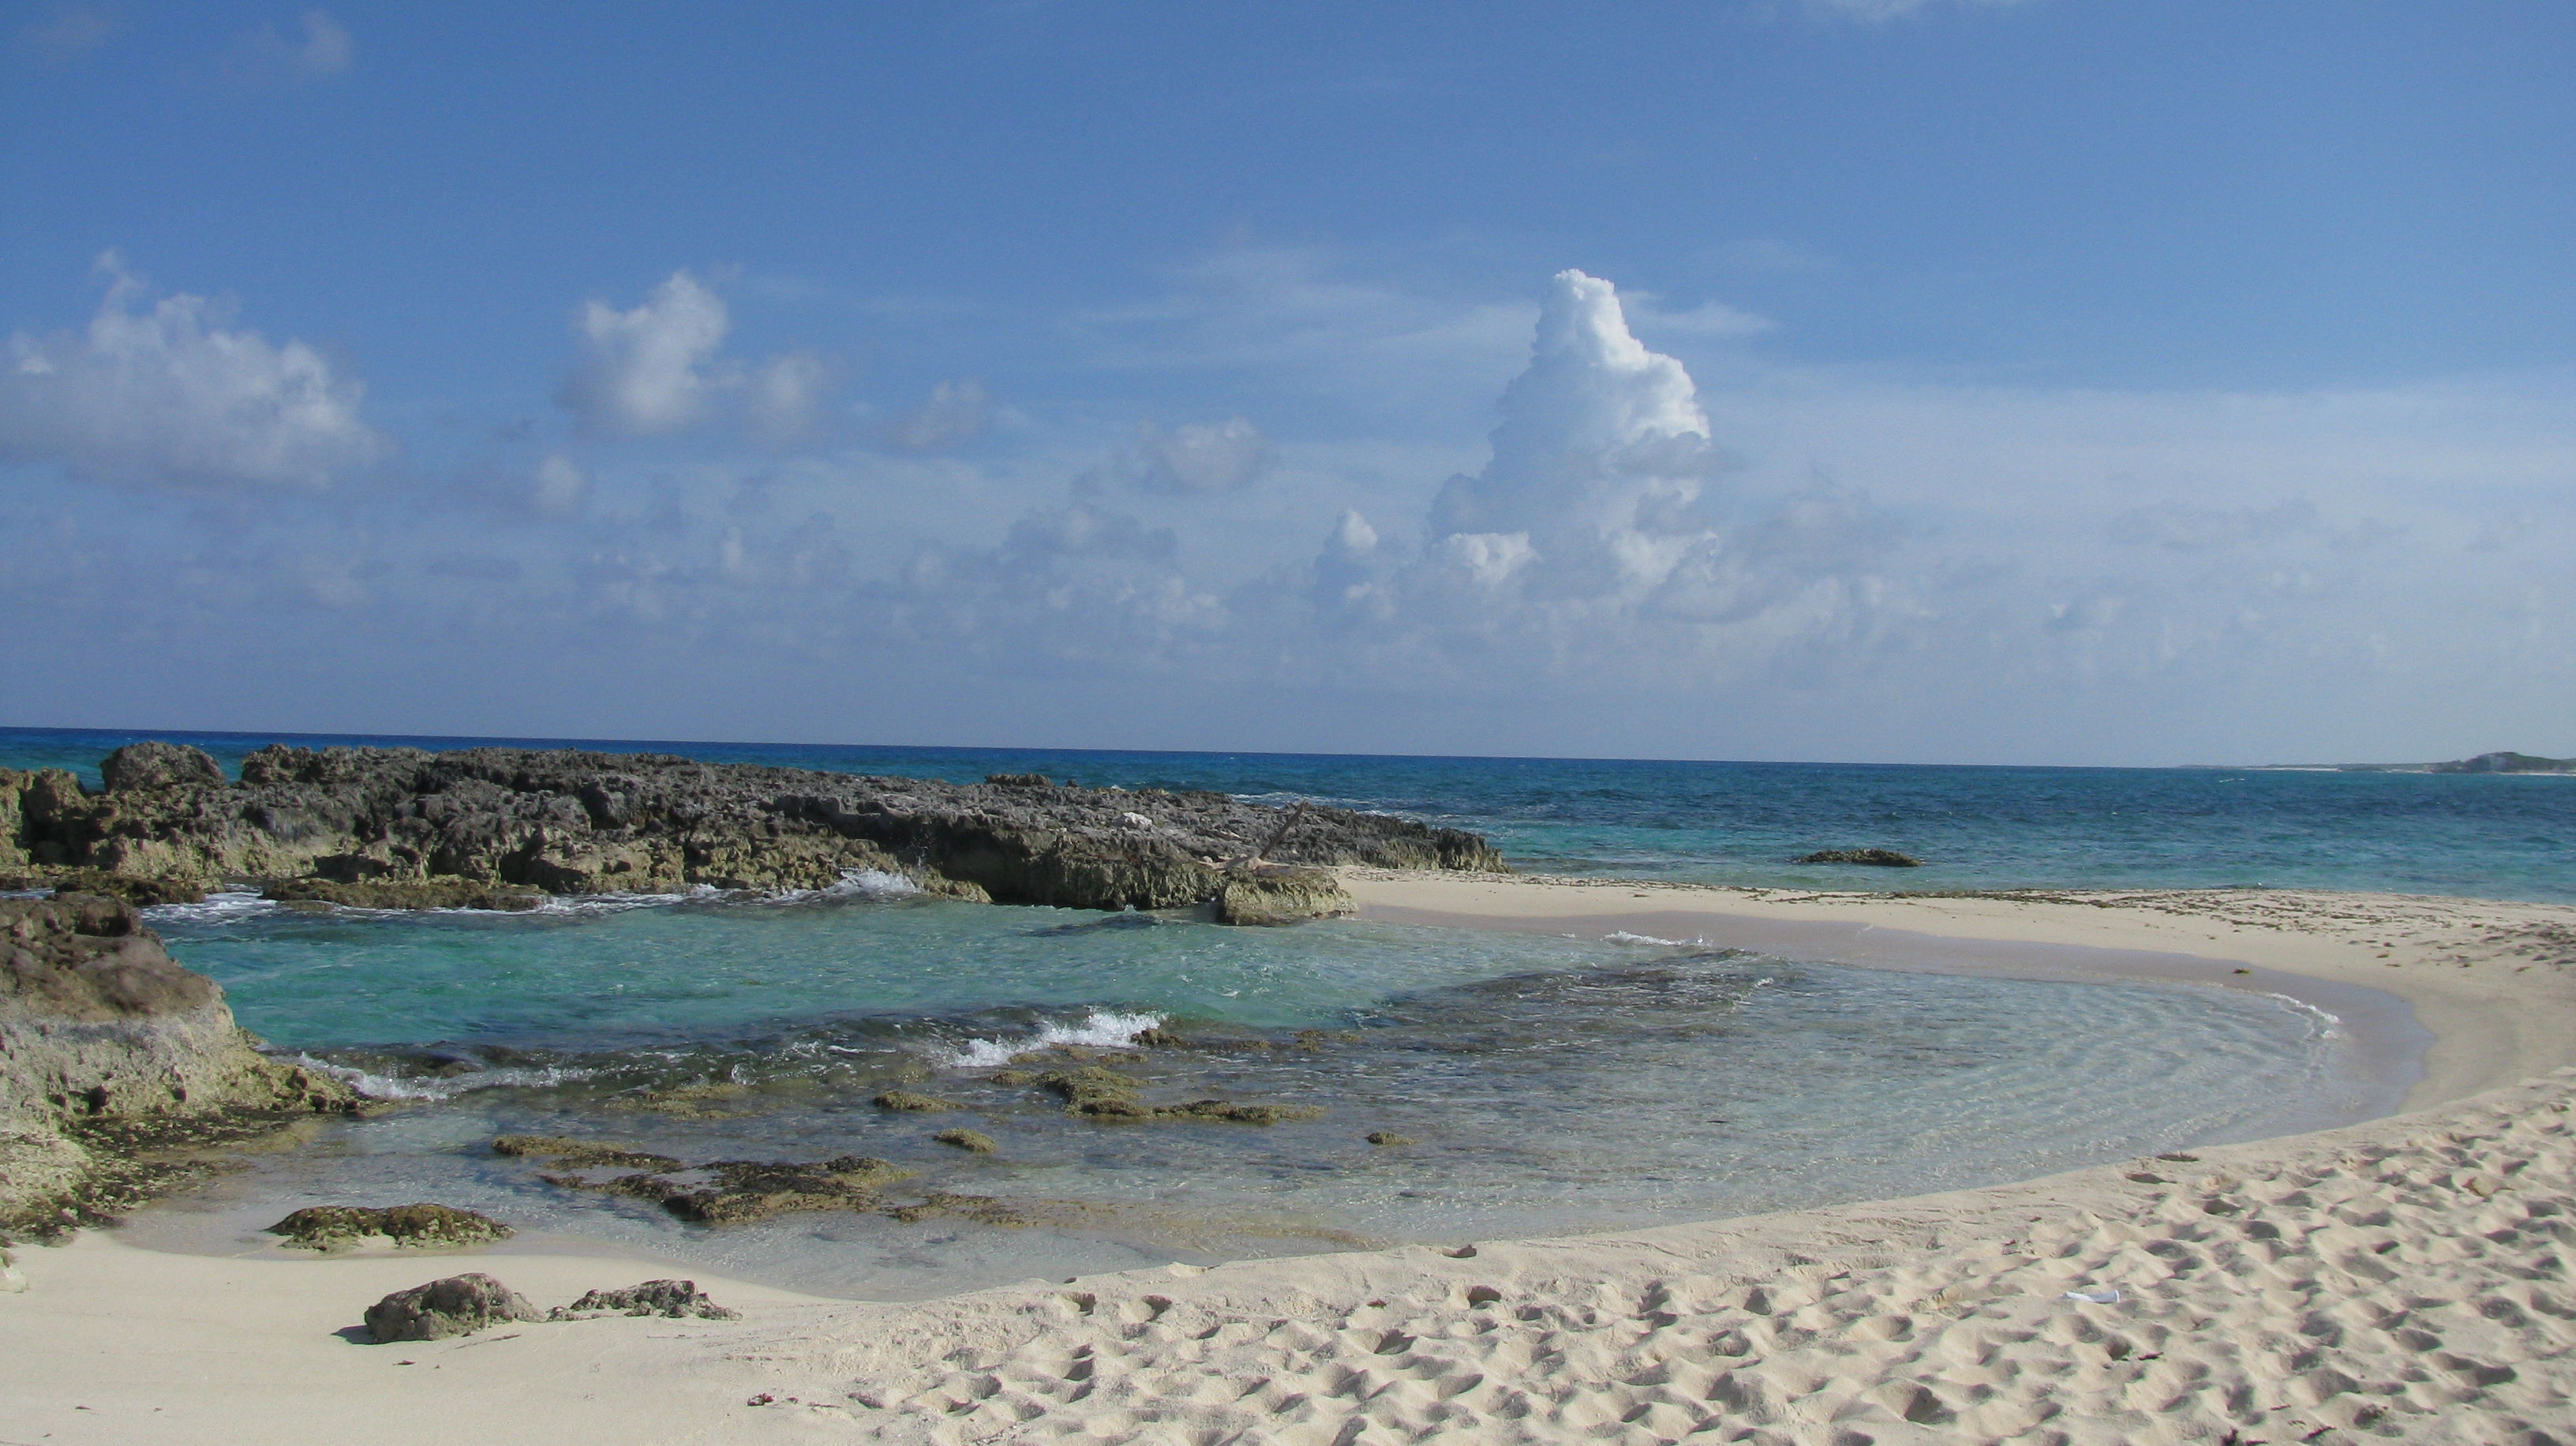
(1881, 858)
(907, 1100)
(972, 1140)
(982, 1209)
(326, 1227)
(1104, 1094)
(1241, 1114)
(674, 1299)
(406, 894)
(562, 1150)
(563, 821)
(1388, 1137)
(457, 1306)
(754, 1190)
(1282, 896)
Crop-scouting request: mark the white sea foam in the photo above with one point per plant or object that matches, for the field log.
(591, 904)
(2326, 1019)
(1100, 1029)
(231, 906)
(1622, 936)
(854, 884)
(386, 1087)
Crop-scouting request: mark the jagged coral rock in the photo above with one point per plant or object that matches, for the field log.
(565, 821)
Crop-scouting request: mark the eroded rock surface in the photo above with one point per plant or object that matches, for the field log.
(459, 1305)
(108, 1048)
(568, 822)
(672, 1299)
(1282, 896)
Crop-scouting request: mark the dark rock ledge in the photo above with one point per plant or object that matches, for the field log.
(496, 827)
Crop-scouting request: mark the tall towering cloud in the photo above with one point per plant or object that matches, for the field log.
(167, 394)
(645, 371)
(1599, 465)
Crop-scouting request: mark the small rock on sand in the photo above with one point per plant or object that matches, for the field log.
(459, 1305)
(675, 1299)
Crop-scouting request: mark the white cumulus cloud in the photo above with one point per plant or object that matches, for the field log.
(646, 371)
(169, 394)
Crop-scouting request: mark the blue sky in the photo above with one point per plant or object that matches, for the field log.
(2052, 381)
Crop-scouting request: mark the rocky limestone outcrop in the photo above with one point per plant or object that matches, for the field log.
(1282, 896)
(570, 822)
(100, 1028)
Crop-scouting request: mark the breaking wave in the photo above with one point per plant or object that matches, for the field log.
(1100, 1029)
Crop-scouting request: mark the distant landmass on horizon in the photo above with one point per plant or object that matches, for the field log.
(2501, 762)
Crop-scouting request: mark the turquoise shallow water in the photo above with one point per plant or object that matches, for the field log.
(1548, 1084)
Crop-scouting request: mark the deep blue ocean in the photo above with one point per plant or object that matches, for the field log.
(1544, 1083)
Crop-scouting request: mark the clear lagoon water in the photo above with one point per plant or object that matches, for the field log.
(1546, 1083)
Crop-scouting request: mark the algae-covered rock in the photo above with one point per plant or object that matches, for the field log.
(1240, 1114)
(1096, 1091)
(1282, 896)
(1878, 858)
(908, 1100)
(975, 1141)
(459, 1305)
(407, 894)
(561, 1150)
(671, 1299)
(328, 1227)
(1388, 1137)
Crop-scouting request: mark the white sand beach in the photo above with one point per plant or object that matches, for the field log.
(2404, 1279)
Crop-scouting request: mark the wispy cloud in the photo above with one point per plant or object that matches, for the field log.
(264, 55)
(1882, 11)
(72, 30)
